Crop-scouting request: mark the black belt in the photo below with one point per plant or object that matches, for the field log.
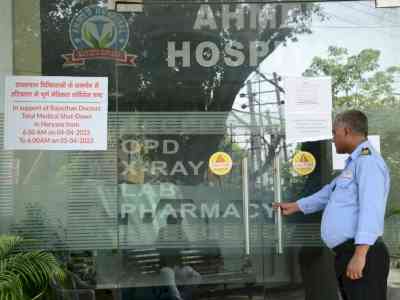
(349, 246)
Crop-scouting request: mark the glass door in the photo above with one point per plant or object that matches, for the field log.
(286, 253)
(196, 191)
(186, 203)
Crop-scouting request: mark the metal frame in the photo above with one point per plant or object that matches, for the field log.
(245, 188)
(232, 2)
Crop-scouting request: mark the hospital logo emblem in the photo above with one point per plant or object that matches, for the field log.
(97, 33)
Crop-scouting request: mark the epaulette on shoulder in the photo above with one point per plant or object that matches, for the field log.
(365, 151)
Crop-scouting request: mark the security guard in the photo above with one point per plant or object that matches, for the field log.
(354, 208)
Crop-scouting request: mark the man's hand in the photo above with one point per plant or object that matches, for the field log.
(355, 267)
(287, 208)
(357, 263)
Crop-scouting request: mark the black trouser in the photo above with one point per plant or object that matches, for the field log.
(373, 284)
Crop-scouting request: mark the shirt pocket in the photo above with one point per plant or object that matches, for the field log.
(344, 183)
(345, 190)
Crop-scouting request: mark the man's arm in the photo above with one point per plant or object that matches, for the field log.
(372, 200)
(308, 204)
(372, 192)
(315, 202)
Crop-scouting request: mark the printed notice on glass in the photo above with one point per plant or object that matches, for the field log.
(56, 113)
(387, 3)
(308, 109)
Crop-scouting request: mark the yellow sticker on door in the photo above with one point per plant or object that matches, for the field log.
(220, 163)
(304, 163)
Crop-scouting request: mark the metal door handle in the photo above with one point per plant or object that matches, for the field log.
(245, 189)
(278, 199)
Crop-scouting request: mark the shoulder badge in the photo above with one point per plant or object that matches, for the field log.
(365, 151)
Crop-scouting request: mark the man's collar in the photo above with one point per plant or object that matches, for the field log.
(356, 152)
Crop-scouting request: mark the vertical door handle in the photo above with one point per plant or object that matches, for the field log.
(278, 199)
(245, 189)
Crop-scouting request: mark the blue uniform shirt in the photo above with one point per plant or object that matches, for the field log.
(354, 203)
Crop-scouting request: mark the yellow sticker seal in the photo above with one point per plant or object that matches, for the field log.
(220, 163)
(304, 163)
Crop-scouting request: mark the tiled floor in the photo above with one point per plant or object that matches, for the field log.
(393, 283)
(394, 278)
(292, 295)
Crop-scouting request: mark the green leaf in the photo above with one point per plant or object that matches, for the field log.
(357, 81)
(107, 39)
(8, 244)
(90, 38)
(11, 286)
(24, 273)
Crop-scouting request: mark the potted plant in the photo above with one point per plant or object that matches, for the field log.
(25, 274)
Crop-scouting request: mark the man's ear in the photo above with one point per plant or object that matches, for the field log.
(347, 131)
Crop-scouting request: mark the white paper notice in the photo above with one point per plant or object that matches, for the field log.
(387, 3)
(126, 6)
(339, 160)
(56, 113)
(308, 109)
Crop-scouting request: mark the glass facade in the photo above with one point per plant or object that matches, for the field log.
(188, 79)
